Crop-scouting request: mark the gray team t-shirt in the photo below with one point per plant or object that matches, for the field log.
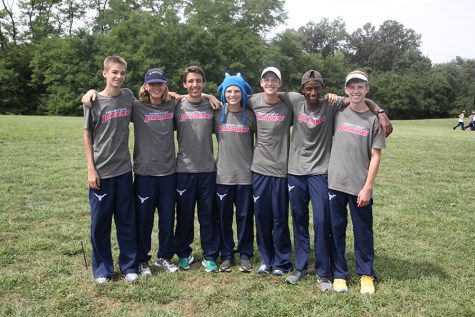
(194, 123)
(272, 140)
(235, 148)
(154, 147)
(108, 119)
(356, 133)
(312, 134)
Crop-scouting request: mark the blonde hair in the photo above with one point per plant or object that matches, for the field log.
(114, 59)
(144, 95)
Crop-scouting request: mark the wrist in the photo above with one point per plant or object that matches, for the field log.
(368, 187)
(379, 111)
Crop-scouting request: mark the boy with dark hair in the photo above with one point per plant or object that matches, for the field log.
(310, 147)
(109, 173)
(309, 154)
(354, 163)
(195, 174)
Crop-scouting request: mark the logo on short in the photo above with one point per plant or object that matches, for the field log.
(290, 187)
(142, 199)
(330, 196)
(221, 196)
(100, 196)
(255, 198)
(181, 191)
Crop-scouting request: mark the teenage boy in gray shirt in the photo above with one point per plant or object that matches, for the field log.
(235, 129)
(309, 154)
(109, 173)
(269, 177)
(194, 135)
(154, 170)
(195, 174)
(354, 163)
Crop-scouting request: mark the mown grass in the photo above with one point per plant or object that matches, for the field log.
(424, 237)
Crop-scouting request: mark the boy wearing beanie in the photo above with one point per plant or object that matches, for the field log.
(235, 129)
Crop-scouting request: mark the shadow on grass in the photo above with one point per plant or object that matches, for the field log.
(393, 268)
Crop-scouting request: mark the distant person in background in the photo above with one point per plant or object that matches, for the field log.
(471, 124)
(460, 121)
(109, 174)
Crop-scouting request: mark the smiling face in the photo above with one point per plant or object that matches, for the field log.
(194, 85)
(114, 75)
(312, 91)
(156, 90)
(356, 91)
(270, 83)
(233, 95)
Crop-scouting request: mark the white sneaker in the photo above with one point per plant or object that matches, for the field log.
(131, 277)
(325, 284)
(166, 265)
(144, 269)
(101, 280)
(263, 269)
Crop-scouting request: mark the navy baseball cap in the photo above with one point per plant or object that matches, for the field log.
(155, 75)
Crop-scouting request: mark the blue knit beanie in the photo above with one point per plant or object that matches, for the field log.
(236, 80)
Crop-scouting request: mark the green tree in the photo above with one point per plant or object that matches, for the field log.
(324, 37)
(286, 53)
(114, 12)
(334, 71)
(8, 24)
(390, 48)
(62, 70)
(40, 19)
(70, 13)
(460, 74)
(15, 94)
(412, 95)
(258, 15)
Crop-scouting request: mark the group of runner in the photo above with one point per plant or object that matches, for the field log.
(260, 167)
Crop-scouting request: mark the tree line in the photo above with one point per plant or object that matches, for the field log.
(51, 52)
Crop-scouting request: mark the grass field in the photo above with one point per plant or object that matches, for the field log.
(424, 237)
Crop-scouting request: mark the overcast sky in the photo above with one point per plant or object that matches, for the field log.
(447, 27)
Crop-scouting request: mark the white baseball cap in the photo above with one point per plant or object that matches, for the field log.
(272, 70)
(357, 74)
